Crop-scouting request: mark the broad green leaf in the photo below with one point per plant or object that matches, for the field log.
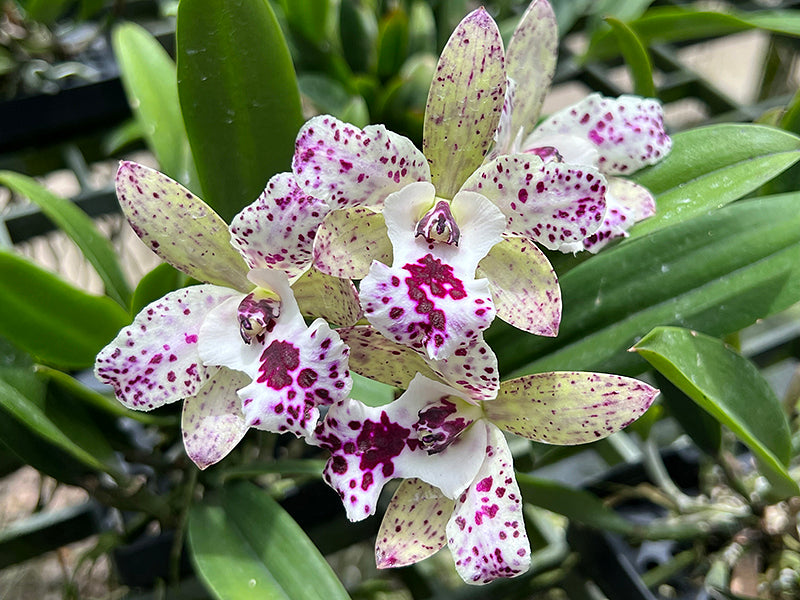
(717, 273)
(122, 136)
(358, 31)
(704, 429)
(309, 18)
(673, 24)
(157, 283)
(370, 391)
(65, 425)
(421, 29)
(95, 401)
(636, 57)
(579, 505)
(464, 102)
(55, 322)
(392, 43)
(239, 98)
(730, 388)
(711, 166)
(45, 11)
(251, 548)
(80, 229)
(148, 75)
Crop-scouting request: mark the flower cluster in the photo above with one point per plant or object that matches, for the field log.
(443, 241)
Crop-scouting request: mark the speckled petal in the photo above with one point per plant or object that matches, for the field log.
(277, 230)
(628, 131)
(212, 421)
(552, 203)
(375, 357)
(179, 227)
(472, 369)
(413, 527)
(429, 299)
(328, 297)
(524, 286)
(155, 360)
(345, 166)
(294, 368)
(369, 446)
(531, 62)
(626, 203)
(464, 102)
(568, 408)
(486, 533)
(349, 240)
(297, 372)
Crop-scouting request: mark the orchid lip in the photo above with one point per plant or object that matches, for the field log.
(258, 313)
(438, 225)
(439, 426)
(546, 153)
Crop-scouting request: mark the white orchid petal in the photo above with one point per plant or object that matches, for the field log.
(346, 166)
(155, 360)
(486, 533)
(628, 131)
(277, 230)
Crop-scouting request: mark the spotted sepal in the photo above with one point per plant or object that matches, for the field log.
(413, 527)
(524, 286)
(327, 297)
(531, 63)
(569, 407)
(375, 357)
(346, 166)
(486, 533)
(552, 203)
(277, 230)
(464, 101)
(628, 131)
(155, 360)
(179, 226)
(212, 422)
(349, 240)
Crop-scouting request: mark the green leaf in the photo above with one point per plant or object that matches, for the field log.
(358, 32)
(392, 43)
(310, 18)
(711, 166)
(148, 75)
(704, 429)
(251, 548)
(578, 505)
(239, 98)
(729, 387)
(55, 322)
(122, 136)
(717, 273)
(64, 425)
(370, 391)
(673, 24)
(80, 229)
(636, 57)
(157, 283)
(45, 11)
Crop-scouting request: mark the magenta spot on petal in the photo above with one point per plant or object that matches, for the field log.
(277, 360)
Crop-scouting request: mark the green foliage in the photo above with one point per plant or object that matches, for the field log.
(636, 56)
(239, 98)
(249, 547)
(730, 388)
(716, 273)
(149, 77)
(55, 322)
(81, 230)
(712, 166)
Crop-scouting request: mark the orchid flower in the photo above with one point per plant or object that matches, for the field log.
(236, 350)
(460, 486)
(356, 172)
(616, 136)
